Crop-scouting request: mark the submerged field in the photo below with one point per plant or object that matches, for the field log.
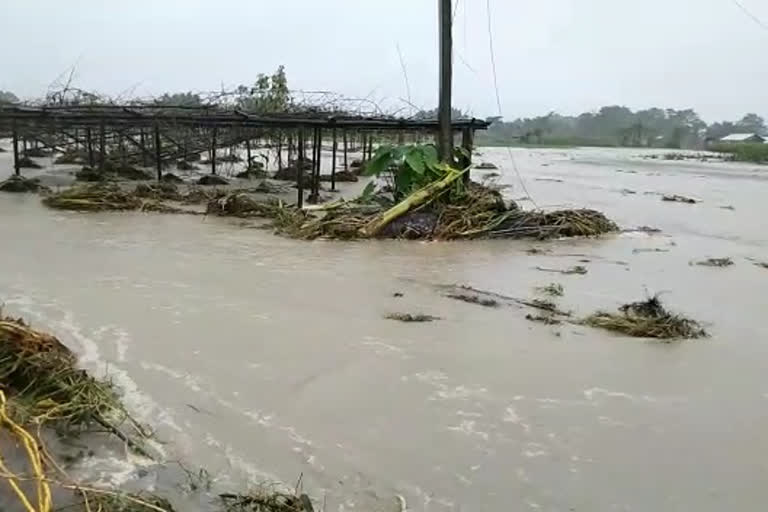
(265, 358)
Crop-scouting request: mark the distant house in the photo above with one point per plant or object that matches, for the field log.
(743, 138)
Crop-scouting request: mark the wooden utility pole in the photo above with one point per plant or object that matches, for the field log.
(445, 136)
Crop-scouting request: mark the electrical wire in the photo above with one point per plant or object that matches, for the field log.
(751, 15)
(498, 99)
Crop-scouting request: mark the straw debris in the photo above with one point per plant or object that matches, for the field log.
(94, 197)
(409, 317)
(474, 299)
(715, 262)
(647, 319)
(552, 289)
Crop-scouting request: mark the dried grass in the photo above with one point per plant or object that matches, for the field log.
(647, 319)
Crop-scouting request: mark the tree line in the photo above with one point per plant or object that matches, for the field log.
(620, 126)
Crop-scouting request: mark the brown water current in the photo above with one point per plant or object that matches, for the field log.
(263, 358)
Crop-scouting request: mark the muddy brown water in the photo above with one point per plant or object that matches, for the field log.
(262, 358)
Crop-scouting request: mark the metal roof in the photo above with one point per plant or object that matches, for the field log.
(740, 137)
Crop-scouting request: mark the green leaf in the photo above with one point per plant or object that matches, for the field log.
(414, 158)
(381, 161)
(368, 191)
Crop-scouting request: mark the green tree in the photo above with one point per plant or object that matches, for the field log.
(8, 97)
(179, 99)
(752, 123)
(268, 94)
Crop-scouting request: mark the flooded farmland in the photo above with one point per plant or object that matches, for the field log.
(262, 358)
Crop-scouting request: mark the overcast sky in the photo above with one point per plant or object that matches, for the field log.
(564, 55)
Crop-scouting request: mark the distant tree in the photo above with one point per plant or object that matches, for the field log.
(180, 99)
(8, 97)
(268, 94)
(429, 115)
(717, 131)
(752, 123)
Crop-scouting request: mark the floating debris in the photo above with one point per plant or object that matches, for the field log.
(169, 177)
(408, 317)
(184, 165)
(212, 179)
(554, 180)
(762, 264)
(21, 184)
(241, 204)
(552, 289)
(627, 172)
(474, 299)
(675, 198)
(158, 191)
(647, 319)
(42, 380)
(537, 250)
(341, 176)
(266, 501)
(727, 207)
(486, 165)
(544, 319)
(643, 249)
(715, 262)
(93, 197)
(397, 294)
(577, 269)
(72, 157)
(252, 174)
(25, 162)
(628, 191)
(642, 229)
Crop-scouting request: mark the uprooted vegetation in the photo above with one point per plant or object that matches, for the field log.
(647, 319)
(715, 262)
(412, 196)
(113, 197)
(420, 198)
(21, 184)
(45, 394)
(411, 317)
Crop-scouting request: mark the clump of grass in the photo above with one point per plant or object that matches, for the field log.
(715, 262)
(266, 501)
(647, 319)
(474, 299)
(21, 184)
(93, 197)
(42, 381)
(27, 163)
(108, 501)
(675, 198)
(577, 269)
(552, 289)
(409, 317)
(544, 319)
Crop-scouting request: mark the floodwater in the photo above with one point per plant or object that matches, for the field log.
(262, 358)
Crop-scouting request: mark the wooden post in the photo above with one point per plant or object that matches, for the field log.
(121, 148)
(316, 153)
(248, 152)
(362, 137)
(467, 141)
(213, 150)
(290, 148)
(300, 167)
(280, 151)
(333, 160)
(89, 136)
(370, 147)
(445, 136)
(346, 162)
(102, 146)
(158, 160)
(144, 151)
(16, 164)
